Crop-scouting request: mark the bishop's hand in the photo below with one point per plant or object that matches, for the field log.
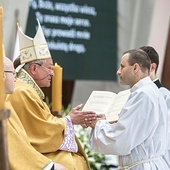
(82, 117)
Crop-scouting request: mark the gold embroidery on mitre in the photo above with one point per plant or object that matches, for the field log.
(26, 55)
(42, 51)
(32, 49)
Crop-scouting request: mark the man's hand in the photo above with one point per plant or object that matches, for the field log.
(93, 123)
(82, 117)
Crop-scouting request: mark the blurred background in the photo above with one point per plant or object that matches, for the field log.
(87, 38)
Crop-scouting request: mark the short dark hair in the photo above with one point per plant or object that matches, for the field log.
(139, 56)
(153, 55)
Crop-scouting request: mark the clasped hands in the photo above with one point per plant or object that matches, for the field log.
(84, 118)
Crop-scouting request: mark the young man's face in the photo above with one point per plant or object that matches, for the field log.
(125, 72)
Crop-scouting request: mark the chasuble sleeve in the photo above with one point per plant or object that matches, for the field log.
(20, 152)
(45, 131)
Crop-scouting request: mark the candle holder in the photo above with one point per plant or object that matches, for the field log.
(4, 164)
(58, 113)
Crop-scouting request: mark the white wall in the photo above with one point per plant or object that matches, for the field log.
(10, 10)
(159, 30)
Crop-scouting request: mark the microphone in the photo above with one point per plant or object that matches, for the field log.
(42, 78)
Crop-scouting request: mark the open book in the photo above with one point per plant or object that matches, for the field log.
(108, 103)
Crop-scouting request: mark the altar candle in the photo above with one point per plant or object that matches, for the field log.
(57, 88)
(2, 91)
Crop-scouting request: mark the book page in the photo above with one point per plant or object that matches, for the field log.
(99, 101)
(117, 106)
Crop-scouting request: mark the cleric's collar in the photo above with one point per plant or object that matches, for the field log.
(25, 77)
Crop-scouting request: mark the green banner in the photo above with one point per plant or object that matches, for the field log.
(81, 35)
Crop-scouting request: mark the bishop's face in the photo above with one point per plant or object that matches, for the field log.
(44, 73)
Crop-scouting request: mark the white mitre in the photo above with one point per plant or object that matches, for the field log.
(32, 49)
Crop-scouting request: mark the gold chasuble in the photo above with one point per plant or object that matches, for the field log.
(45, 131)
(20, 152)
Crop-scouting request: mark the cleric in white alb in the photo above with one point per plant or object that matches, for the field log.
(139, 137)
